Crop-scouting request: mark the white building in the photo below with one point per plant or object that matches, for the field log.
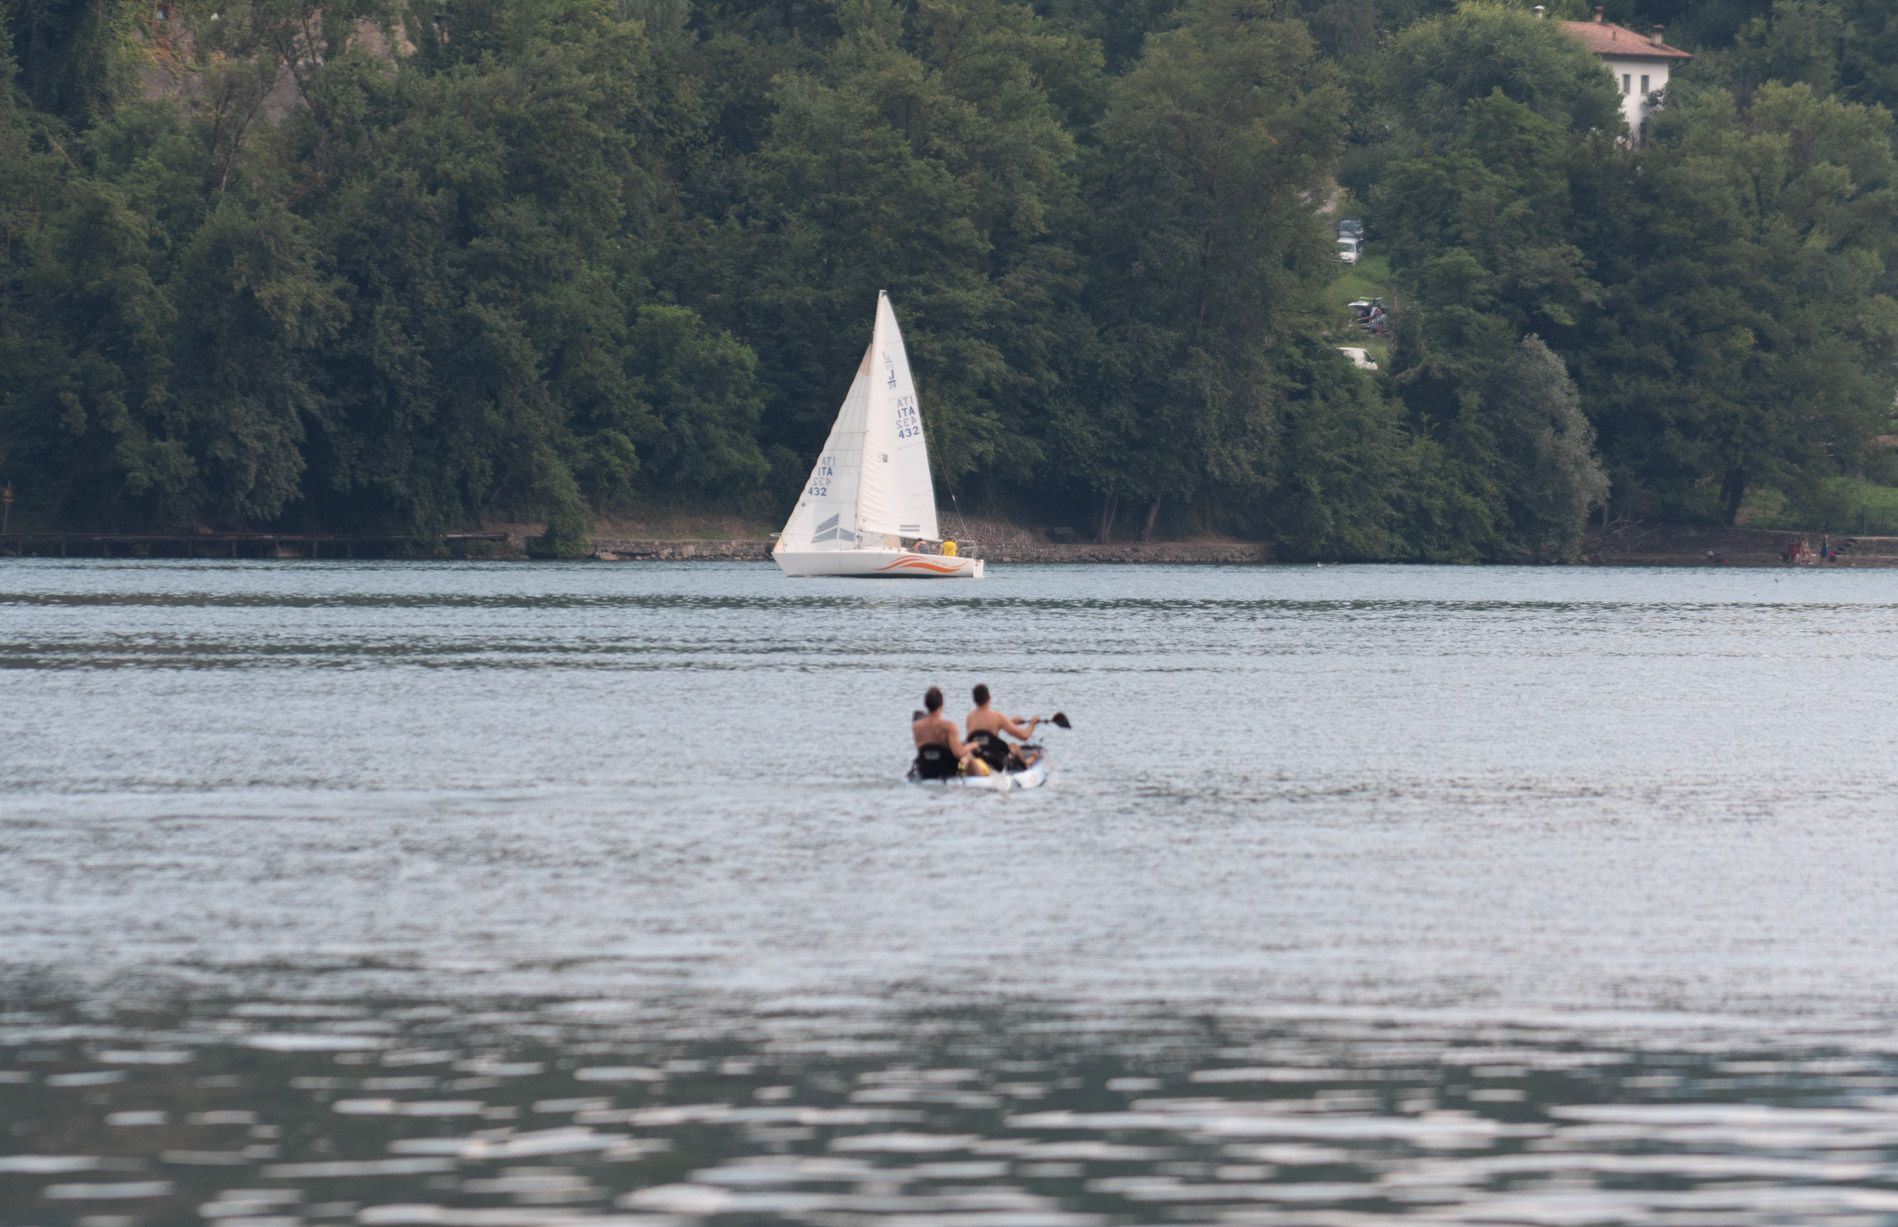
(1639, 63)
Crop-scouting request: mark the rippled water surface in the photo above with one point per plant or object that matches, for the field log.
(514, 894)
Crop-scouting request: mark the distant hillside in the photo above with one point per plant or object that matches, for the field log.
(362, 267)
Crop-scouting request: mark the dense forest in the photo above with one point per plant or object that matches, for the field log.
(399, 266)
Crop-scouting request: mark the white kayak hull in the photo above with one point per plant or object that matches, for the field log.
(876, 563)
(1000, 781)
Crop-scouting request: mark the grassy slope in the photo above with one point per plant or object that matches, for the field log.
(1840, 505)
(1370, 277)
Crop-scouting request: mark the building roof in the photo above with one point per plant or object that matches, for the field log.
(1607, 38)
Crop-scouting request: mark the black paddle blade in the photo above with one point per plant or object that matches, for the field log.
(1060, 720)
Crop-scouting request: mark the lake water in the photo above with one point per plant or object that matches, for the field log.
(507, 895)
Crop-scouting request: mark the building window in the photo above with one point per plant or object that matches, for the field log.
(1644, 85)
(1627, 83)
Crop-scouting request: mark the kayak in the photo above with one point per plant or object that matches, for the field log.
(1000, 781)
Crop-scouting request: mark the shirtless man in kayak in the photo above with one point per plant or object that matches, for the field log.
(932, 728)
(985, 719)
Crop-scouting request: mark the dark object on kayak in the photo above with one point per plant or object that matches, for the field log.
(991, 750)
(934, 763)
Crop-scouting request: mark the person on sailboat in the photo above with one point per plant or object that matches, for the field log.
(986, 725)
(935, 732)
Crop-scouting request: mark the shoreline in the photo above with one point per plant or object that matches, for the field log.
(1649, 546)
(1209, 553)
(1622, 546)
(1670, 546)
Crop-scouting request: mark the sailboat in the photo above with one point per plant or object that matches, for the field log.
(869, 501)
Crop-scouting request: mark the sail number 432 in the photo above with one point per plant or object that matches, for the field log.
(820, 480)
(909, 423)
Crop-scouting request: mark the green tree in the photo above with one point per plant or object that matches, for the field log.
(928, 159)
(1430, 73)
(86, 407)
(1843, 47)
(26, 194)
(1499, 183)
(481, 215)
(253, 310)
(1207, 256)
(701, 386)
(1341, 460)
(1748, 336)
(68, 54)
(1497, 216)
(1552, 477)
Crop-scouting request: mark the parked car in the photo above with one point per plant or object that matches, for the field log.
(1348, 250)
(1351, 228)
(1359, 358)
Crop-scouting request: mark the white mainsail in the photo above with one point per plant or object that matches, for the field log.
(896, 495)
(871, 481)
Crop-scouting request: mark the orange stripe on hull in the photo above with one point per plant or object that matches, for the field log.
(919, 564)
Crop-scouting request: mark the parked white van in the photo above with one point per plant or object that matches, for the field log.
(1348, 249)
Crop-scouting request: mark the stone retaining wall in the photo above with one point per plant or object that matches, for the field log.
(1663, 546)
(1030, 552)
(1202, 552)
(682, 551)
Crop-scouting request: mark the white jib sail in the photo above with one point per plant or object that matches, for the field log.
(825, 517)
(871, 481)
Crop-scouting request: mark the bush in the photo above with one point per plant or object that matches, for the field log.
(569, 533)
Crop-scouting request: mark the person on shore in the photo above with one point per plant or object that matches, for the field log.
(985, 719)
(935, 732)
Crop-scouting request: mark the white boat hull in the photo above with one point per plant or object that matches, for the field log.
(999, 781)
(876, 563)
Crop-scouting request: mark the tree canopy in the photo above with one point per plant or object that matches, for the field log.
(371, 266)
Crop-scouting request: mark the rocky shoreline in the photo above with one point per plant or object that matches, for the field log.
(610, 549)
(1176, 552)
(1622, 547)
(1651, 546)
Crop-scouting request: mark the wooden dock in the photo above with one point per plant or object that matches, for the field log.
(238, 545)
